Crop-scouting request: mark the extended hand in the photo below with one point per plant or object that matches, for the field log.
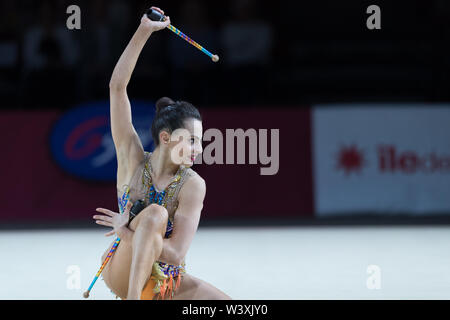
(113, 219)
(154, 25)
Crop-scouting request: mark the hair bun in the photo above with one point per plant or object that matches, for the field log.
(163, 103)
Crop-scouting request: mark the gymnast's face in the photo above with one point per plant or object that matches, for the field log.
(186, 143)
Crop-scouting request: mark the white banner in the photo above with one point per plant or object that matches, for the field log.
(381, 158)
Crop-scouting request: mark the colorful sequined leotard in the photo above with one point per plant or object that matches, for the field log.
(165, 277)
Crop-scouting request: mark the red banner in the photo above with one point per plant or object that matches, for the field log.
(239, 190)
(36, 189)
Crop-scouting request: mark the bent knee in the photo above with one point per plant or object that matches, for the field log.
(154, 214)
(160, 210)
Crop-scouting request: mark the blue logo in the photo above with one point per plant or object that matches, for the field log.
(81, 141)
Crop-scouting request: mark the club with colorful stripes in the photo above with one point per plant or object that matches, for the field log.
(123, 205)
(157, 16)
(110, 253)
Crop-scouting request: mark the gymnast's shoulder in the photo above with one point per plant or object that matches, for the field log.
(193, 182)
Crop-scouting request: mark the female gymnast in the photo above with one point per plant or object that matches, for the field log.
(149, 261)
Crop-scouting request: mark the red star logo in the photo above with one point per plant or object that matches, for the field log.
(350, 159)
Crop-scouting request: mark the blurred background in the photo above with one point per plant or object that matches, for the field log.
(356, 121)
(362, 114)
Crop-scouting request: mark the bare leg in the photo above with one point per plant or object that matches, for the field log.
(117, 274)
(192, 288)
(146, 248)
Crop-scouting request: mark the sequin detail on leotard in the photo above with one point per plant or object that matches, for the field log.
(166, 276)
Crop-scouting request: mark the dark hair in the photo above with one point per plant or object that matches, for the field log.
(170, 115)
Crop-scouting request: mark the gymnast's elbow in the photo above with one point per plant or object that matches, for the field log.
(115, 85)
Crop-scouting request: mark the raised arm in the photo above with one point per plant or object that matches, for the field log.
(128, 146)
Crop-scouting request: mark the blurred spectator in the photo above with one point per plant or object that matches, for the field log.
(192, 76)
(97, 55)
(9, 51)
(120, 19)
(247, 47)
(9, 28)
(246, 38)
(48, 44)
(50, 53)
(331, 57)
